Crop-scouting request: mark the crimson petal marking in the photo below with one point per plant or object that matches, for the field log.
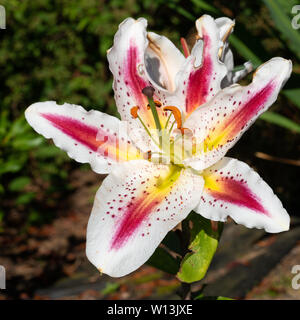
(198, 84)
(135, 207)
(135, 81)
(226, 188)
(242, 115)
(219, 124)
(233, 189)
(88, 137)
(134, 214)
(127, 63)
(156, 190)
(77, 130)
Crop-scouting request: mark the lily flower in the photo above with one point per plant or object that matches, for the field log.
(179, 120)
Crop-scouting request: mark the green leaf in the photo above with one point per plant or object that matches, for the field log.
(293, 95)
(25, 198)
(4, 122)
(205, 6)
(19, 183)
(244, 50)
(280, 121)
(181, 11)
(10, 167)
(203, 245)
(18, 127)
(202, 297)
(48, 151)
(283, 24)
(162, 260)
(27, 142)
(110, 288)
(34, 216)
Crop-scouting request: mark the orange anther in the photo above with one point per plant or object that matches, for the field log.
(157, 103)
(133, 112)
(176, 113)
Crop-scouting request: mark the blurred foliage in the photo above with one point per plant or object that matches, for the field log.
(56, 50)
(26, 179)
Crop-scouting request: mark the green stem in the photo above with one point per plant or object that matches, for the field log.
(172, 126)
(156, 119)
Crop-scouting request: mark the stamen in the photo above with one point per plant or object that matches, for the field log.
(176, 113)
(185, 47)
(149, 92)
(168, 120)
(157, 104)
(172, 126)
(178, 119)
(133, 112)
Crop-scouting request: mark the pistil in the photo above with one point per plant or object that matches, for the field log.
(148, 92)
(166, 142)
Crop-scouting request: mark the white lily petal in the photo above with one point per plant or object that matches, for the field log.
(199, 83)
(127, 63)
(137, 204)
(88, 137)
(240, 74)
(225, 26)
(233, 189)
(219, 124)
(163, 61)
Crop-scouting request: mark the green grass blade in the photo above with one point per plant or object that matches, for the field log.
(283, 24)
(244, 51)
(293, 95)
(280, 121)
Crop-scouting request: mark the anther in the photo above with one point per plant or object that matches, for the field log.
(176, 113)
(157, 104)
(133, 112)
